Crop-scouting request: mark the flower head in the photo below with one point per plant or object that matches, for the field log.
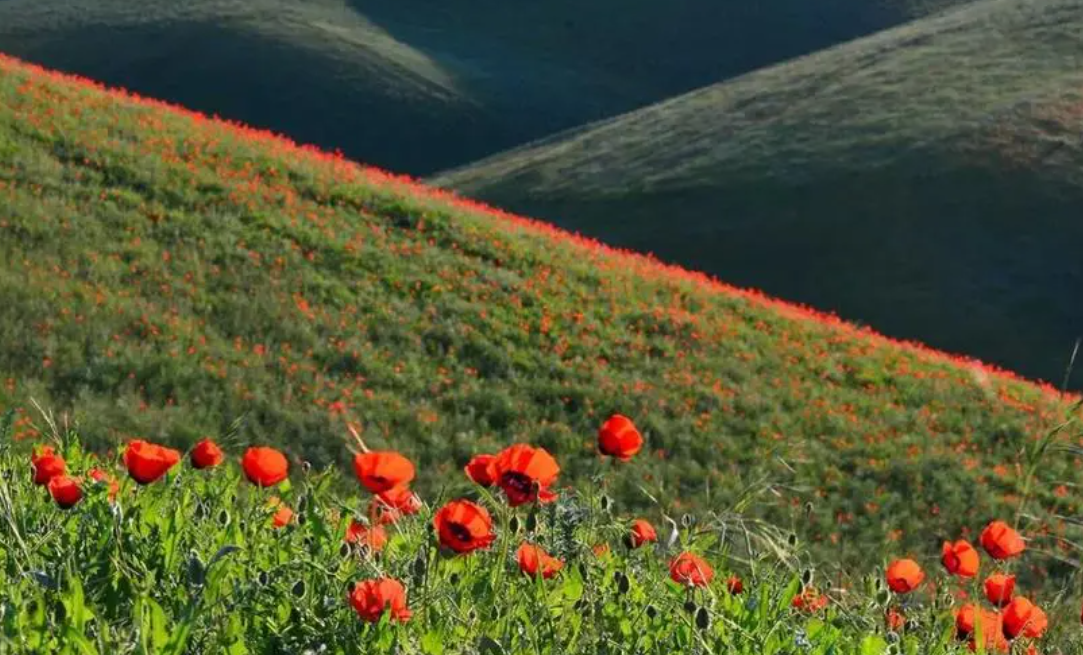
(525, 474)
(264, 466)
(147, 462)
(642, 532)
(904, 576)
(691, 570)
(618, 437)
(381, 471)
(371, 598)
(65, 491)
(999, 588)
(480, 470)
(960, 558)
(1023, 618)
(463, 526)
(534, 561)
(1001, 541)
(47, 465)
(372, 537)
(206, 454)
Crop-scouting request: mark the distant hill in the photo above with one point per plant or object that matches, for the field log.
(167, 277)
(420, 85)
(927, 181)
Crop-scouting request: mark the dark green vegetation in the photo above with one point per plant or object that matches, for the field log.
(165, 276)
(926, 181)
(421, 85)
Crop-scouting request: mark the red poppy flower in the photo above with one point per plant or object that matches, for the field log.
(374, 538)
(960, 558)
(894, 619)
(525, 474)
(1023, 618)
(147, 462)
(600, 550)
(98, 475)
(480, 470)
(283, 515)
(265, 466)
(391, 505)
(904, 576)
(735, 585)
(1001, 541)
(65, 491)
(809, 601)
(47, 465)
(382, 471)
(618, 437)
(371, 598)
(642, 532)
(999, 588)
(966, 621)
(534, 560)
(463, 526)
(691, 570)
(206, 454)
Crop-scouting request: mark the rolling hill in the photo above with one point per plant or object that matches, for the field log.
(925, 181)
(416, 85)
(167, 276)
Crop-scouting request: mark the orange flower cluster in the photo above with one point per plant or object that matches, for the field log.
(1017, 616)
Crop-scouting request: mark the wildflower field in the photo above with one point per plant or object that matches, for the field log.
(168, 280)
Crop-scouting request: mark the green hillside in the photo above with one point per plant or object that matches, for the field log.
(419, 85)
(925, 181)
(165, 276)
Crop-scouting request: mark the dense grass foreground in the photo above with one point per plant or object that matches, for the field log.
(201, 561)
(168, 277)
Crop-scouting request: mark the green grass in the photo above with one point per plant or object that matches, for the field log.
(169, 277)
(925, 181)
(417, 85)
(192, 564)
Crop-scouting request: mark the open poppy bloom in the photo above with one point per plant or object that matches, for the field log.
(100, 476)
(642, 532)
(1023, 618)
(809, 600)
(147, 462)
(206, 454)
(374, 538)
(65, 491)
(904, 576)
(618, 437)
(999, 588)
(735, 585)
(371, 598)
(480, 470)
(534, 561)
(691, 570)
(47, 465)
(463, 526)
(525, 474)
(391, 505)
(1001, 541)
(265, 467)
(381, 471)
(960, 558)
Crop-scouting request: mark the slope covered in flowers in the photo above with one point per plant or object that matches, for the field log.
(169, 277)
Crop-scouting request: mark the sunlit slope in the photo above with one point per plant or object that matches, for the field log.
(925, 181)
(418, 85)
(170, 277)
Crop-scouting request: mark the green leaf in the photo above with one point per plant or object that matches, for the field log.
(432, 643)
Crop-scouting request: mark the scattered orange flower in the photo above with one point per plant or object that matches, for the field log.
(690, 570)
(98, 475)
(533, 560)
(895, 619)
(463, 526)
(264, 466)
(618, 437)
(642, 532)
(391, 505)
(999, 588)
(1001, 541)
(480, 470)
(525, 474)
(47, 465)
(371, 598)
(904, 576)
(809, 600)
(381, 471)
(374, 538)
(147, 462)
(65, 491)
(960, 558)
(206, 454)
(735, 585)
